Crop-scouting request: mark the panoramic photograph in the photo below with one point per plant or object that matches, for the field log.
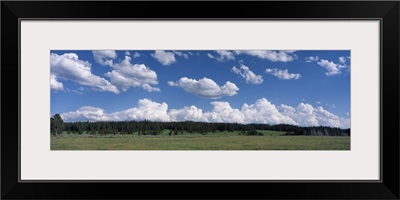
(200, 99)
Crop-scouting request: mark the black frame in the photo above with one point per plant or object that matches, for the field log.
(386, 11)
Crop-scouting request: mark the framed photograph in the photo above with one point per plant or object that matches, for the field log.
(259, 97)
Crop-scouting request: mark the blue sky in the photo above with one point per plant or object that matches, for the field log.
(305, 88)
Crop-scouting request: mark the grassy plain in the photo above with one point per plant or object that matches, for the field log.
(271, 140)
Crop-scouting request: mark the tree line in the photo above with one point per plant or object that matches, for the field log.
(146, 127)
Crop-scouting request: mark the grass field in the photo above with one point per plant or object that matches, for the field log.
(272, 140)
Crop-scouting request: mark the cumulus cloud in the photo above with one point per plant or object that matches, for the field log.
(223, 112)
(181, 54)
(205, 87)
(126, 75)
(165, 58)
(331, 67)
(222, 56)
(54, 84)
(145, 110)
(303, 114)
(247, 74)
(104, 57)
(262, 111)
(85, 113)
(306, 115)
(191, 113)
(274, 56)
(325, 118)
(312, 59)
(282, 74)
(342, 59)
(69, 67)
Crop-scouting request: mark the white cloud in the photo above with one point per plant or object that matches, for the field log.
(274, 56)
(69, 67)
(318, 102)
(126, 75)
(211, 56)
(54, 84)
(342, 59)
(145, 110)
(326, 118)
(222, 56)
(223, 112)
(205, 87)
(312, 59)
(331, 67)
(165, 58)
(306, 115)
(136, 55)
(127, 53)
(262, 111)
(191, 113)
(303, 114)
(173, 84)
(181, 54)
(85, 113)
(282, 74)
(104, 57)
(247, 74)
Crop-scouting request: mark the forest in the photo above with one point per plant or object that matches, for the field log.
(145, 127)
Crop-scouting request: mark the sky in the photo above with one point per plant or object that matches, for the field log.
(305, 88)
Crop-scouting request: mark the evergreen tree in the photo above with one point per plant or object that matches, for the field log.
(56, 124)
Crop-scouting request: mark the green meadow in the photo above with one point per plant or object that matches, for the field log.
(270, 140)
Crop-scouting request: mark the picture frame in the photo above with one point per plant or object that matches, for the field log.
(386, 188)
